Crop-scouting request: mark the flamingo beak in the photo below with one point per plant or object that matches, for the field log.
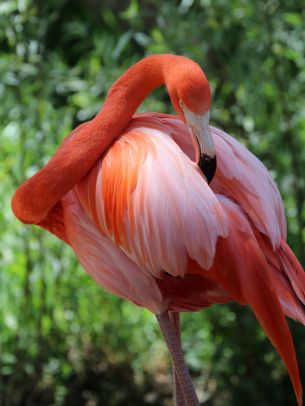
(198, 126)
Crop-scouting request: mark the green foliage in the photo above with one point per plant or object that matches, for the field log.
(63, 340)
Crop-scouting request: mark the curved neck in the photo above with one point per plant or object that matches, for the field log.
(76, 156)
(128, 92)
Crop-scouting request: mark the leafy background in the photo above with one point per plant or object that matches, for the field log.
(64, 341)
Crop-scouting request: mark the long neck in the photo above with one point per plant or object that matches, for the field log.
(128, 92)
(74, 159)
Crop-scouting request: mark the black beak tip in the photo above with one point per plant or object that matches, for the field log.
(208, 166)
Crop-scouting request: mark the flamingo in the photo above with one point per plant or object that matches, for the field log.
(154, 218)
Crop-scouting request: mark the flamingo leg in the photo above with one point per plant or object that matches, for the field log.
(178, 396)
(180, 367)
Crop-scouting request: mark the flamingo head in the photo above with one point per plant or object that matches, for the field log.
(191, 96)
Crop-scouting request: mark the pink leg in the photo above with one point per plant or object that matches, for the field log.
(178, 396)
(178, 360)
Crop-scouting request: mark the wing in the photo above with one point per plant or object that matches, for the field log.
(154, 203)
(245, 179)
(239, 175)
(241, 268)
(105, 262)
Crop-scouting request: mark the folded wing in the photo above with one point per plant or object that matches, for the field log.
(245, 179)
(152, 200)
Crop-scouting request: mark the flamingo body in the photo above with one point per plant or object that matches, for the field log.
(146, 225)
(132, 220)
(148, 198)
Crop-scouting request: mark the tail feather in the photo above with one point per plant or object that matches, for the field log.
(246, 275)
(288, 277)
(254, 287)
(293, 270)
(267, 308)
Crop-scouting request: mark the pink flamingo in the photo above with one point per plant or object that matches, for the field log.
(133, 197)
